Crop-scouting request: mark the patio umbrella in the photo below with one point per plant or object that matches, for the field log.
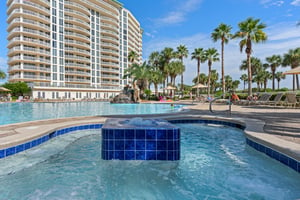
(170, 88)
(3, 89)
(293, 71)
(200, 85)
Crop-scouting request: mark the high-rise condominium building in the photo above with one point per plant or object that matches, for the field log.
(71, 49)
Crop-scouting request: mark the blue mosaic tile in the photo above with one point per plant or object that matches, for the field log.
(119, 145)
(171, 145)
(151, 145)
(129, 134)
(119, 155)
(150, 134)
(140, 155)
(140, 145)
(161, 145)
(293, 164)
(119, 134)
(2, 153)
(140, 134)
(27, 145)
(150, 155)
(129, 144)
(161, 134)
(20, 148)
(283, 159)
(10, 151)
(129, 155)
(161, 155)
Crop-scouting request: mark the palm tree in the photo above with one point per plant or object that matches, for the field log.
(256, 65)
(175, 68)
(154, 59)
(198, 55)
(202, 77)
(279, 76)
(140, 75)
(273, 62)
(244, 78)
(292, 58)
(132, 56)
(223, 33)
(251, 31)
(156, 77)
(2, 74)
(211, 55)
(182, 52)
(165, 57)
(214, 76)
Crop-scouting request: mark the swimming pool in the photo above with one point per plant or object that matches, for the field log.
(22, 112)
(215, 163)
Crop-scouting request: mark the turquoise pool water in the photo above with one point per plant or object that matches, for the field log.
(215, 164)
(21, 112)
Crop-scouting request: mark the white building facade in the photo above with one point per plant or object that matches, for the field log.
(71, 49)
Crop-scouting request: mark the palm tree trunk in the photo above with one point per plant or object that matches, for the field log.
(223, 80)
(198, 76)
(297, 81)
(208, 82)
(294, 79)
(273, 79)
(249, 74)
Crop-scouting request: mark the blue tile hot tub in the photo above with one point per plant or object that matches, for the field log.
(140, 139)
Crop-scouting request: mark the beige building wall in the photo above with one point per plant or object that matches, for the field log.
(71, 48)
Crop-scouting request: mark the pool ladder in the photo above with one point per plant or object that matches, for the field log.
(215, 99)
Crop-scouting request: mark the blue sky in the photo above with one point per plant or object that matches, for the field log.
(170, 23)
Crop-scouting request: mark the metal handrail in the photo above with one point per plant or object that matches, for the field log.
(215, 99)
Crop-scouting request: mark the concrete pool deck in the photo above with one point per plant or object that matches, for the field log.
(278, 128)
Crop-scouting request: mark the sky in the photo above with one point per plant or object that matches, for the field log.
(170, 23)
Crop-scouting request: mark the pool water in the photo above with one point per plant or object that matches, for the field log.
(22, 112)
(215, 164)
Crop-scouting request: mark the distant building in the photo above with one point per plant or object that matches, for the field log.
(71, 49)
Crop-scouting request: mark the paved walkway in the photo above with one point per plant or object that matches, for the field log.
(281, 122)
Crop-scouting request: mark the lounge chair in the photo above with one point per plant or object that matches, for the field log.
(277, 100)
(291, 99)
(263, 99)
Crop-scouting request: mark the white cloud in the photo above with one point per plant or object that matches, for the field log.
(282, 37)
(296, 3)
(268, 3)
(179, 15)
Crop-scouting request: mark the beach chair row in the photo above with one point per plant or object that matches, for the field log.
(291, 99)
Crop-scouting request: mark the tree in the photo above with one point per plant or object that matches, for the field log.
(174, 68)
(214, 77)
(156, 77)
(132, 56)
(211, 55)
(223, 33)
(2, 74)
(292, 58)
(165, 57)
(198, 55)
(203, 79)
(18, 88)
(256, 65)
(279, 76)
(273, 62)
(140, 75)
(251, 31)
(182, 52)
(244, 78)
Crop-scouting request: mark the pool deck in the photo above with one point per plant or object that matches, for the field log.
(277, 128)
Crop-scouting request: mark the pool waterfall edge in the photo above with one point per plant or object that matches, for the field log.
(31, 134)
